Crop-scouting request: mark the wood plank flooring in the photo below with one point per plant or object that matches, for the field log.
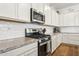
(66, 50)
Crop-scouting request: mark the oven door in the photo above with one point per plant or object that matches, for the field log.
(44, 48)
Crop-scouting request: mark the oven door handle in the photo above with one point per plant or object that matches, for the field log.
(44, 43)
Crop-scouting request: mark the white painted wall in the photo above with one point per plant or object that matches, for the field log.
(13, 30)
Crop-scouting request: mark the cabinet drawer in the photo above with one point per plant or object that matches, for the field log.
(32, 52)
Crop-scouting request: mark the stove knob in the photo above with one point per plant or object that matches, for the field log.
(46, 38)
(39, 40)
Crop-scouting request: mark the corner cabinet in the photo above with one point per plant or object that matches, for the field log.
(8, 10)
(56, 41)
(23, 12)
(47, 12)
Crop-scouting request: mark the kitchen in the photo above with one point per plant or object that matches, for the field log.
(38, 29)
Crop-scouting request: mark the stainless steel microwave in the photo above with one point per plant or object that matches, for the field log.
(36, 16)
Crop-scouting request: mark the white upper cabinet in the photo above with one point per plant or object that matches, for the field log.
(77, 18)
(38, 6)
(55, 18)
(61, 19)
(47, 12)
(8, 10)
(69, 16)
(24, 12)
(69, 19)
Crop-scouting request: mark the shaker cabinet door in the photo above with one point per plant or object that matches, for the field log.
(56, 41)
(55, 18)
(61, 20)
(47, 12)
(69, 19)
(24, 11)
(8, 10)
(77, 18)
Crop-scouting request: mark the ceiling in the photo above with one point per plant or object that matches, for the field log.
(62, 5)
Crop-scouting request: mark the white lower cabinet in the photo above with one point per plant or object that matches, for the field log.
(32, 52)
(56, 41)
(71, 39)
(54, 44)
(28, 50)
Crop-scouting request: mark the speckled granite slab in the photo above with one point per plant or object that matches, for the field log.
(10, 44)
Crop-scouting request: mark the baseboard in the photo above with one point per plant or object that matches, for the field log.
(69, 44)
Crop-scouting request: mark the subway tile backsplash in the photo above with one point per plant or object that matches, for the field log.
(72, 29)
(13, 30)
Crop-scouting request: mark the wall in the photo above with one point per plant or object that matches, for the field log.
(70, 30)
(12, 30)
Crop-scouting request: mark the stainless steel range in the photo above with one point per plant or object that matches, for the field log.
(44, 41)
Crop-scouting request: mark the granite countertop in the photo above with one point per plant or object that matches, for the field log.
(10, 44)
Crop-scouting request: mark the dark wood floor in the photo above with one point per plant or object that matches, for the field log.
(66, 50)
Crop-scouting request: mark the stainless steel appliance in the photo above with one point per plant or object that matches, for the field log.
(44, 41)
(37, 16)
(44, 45)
